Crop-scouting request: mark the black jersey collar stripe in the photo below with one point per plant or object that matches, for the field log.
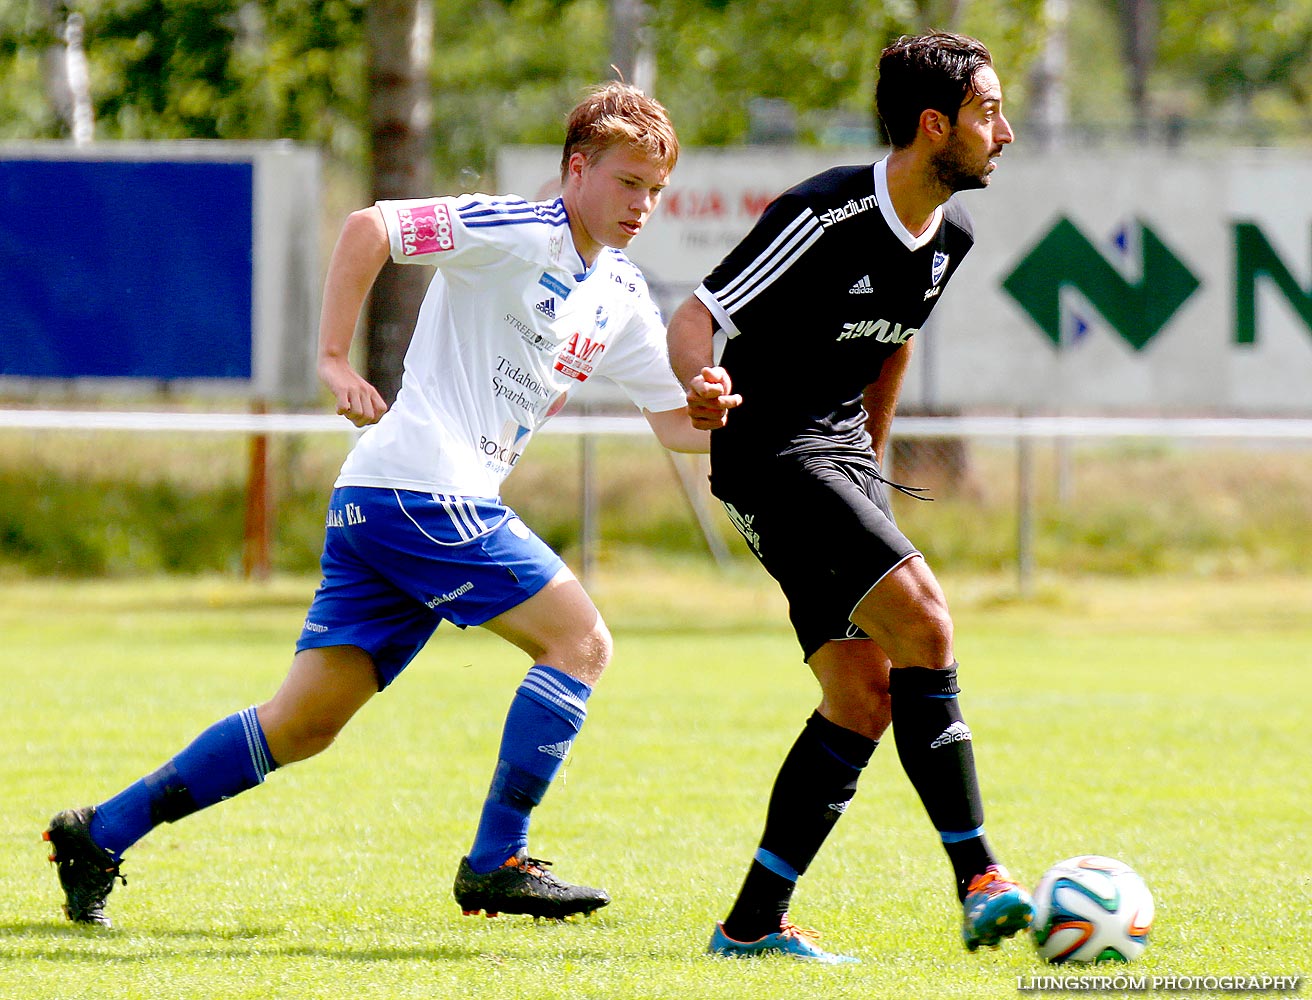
(909, 240)
(805, 219)
(765, 280)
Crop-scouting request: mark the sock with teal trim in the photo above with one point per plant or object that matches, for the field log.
(816, 783)
(937, 752)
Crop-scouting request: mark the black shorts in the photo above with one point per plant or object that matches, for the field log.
(824, 529)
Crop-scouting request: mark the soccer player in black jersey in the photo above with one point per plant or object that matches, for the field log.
(820, 303)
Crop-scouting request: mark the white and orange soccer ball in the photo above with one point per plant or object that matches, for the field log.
(1091, 909)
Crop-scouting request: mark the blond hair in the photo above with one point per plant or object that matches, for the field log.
(617, 113)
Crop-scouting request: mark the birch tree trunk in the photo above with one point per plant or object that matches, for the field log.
(399, 36)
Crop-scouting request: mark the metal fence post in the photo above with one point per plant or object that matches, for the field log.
(587, 502)
(1024, 514)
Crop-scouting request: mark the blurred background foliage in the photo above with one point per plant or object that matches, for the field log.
(120, 504)
(503, 71)
(1208, 73)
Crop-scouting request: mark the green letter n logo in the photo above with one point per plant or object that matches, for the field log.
(1136, 310)
(1256, 258)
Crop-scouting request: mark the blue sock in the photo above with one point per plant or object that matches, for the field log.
(229, 757)
(545, 715)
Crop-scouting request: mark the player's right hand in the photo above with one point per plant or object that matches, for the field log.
(710, 398)
(357, 400)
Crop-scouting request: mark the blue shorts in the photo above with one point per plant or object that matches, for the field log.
(396, 563)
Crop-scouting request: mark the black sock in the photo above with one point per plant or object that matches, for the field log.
(935, 747)
(815, 784)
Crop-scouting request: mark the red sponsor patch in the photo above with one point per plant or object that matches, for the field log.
(570, 368)
(576, 361)
(425, 229)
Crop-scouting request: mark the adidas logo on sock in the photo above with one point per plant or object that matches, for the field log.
(958, 732)
(862, 287)
(558, 750)
(547, 307)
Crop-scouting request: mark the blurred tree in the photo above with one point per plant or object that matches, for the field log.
(942, 15)
(508, 72)
(1048, 95)
(630, 42)
(1250, 60)
(173, 69)
(1138, 24)
(506, 69)
(51, 16)
(714, 56)
(259, 69)
(399, 37)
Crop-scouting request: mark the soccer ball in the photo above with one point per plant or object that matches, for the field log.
(1091, 909)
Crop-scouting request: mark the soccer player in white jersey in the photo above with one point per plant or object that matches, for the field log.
(530, 300)
(821, 302)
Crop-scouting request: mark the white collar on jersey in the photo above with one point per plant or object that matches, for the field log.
(910, 241)
(578, 267)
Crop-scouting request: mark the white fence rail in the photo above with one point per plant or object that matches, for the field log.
(1023, 430)
(963, 426)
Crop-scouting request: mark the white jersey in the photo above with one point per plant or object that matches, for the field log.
(510, 323)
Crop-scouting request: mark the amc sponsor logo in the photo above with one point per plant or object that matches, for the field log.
(425, 229)
(579, 357)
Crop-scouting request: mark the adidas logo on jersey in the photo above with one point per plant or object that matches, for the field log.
(547, 307)
(862, 287)
(958, 732)
(557, 750)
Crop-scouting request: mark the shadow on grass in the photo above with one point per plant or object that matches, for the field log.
(56, 941)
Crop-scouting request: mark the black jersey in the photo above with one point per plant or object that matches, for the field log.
(824, 288)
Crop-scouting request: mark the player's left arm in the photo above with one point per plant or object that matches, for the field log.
(880, 398)
(674, 429)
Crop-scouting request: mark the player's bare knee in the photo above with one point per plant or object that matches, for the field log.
(927, 640)
(299, 738)
(594, 653)
(584, 655)
(863, 710)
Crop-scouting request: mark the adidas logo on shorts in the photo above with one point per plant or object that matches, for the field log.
(862, 287)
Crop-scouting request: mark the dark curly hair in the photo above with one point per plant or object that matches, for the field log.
(918, 72)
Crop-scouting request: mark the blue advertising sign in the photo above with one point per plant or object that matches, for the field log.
(126, 269)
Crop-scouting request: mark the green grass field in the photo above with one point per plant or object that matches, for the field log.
(1162, 722)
